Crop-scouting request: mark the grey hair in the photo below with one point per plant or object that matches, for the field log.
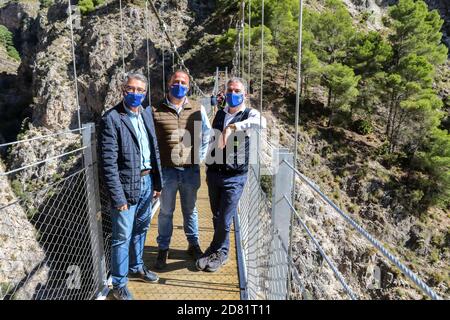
(238, 80)
(135, 75)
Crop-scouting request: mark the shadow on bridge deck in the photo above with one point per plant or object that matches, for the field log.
(181, 279)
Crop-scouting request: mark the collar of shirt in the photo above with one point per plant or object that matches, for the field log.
(227, 108)
(175, 107)
(132, 113)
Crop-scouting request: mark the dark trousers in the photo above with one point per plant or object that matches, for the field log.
(224, 194)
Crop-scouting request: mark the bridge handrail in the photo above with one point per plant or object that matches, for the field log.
(336, 272)
(40, 137)
(42, 161)
(404, 269)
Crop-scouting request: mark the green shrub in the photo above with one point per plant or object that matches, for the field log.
(436, 278)
(86, 6)
(365, 16)
(362, 126)
(266, 185)
(416, 196)
(6, 41)
(315, 160)
(46, 3)
(13, 53)
(434, 256)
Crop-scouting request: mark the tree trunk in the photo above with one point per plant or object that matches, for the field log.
(394, 127)
(306, 87)
(288, 67)
(330, 118)
(389, 119)
(302, 81)
(329, 97)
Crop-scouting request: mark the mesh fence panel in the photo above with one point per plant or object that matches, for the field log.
(49, 248)
(264, 254)
(52, 258)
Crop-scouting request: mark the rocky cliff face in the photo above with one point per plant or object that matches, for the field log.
(376, 9)
(43, 39)
(22, 259)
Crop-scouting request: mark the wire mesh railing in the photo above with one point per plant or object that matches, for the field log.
(355, 233)
(50, 245)
(55, 230)
(264, 256)
(333, 257)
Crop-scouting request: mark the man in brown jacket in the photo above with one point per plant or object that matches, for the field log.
(182, 129)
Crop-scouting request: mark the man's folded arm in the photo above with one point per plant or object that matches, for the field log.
(254, 121)
(206, 131)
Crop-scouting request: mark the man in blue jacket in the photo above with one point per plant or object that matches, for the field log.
(132, 172)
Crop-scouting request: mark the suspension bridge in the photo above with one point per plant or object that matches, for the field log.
(55, 227)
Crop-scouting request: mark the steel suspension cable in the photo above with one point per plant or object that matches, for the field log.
(262, 83)
(172, 46)
(243, 40)
(393, 259)
(149, 90)
(249, 42)
(297, 115)
(121, 37)
(163, 59)
(163, 70)
(72, 42)
(40, 137)
(173, 62)
(238, 57)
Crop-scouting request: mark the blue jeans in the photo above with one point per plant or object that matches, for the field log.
(129, 229)
(187, 181)
(224, 194)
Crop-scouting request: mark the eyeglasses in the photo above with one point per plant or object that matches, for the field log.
(229, 90)
(182, 82)
(134, 89)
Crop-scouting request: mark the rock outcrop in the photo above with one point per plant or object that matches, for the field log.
(22, 259)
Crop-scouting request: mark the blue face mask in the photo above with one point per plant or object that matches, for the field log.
(235, 99)
(178, 90)
(134, 99)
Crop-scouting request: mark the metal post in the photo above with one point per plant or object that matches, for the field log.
(226, 75)
(94, 208)
(281, 215)
(216, 82)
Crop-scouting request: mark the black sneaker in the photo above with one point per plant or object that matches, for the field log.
(195, 251)
(122, 293)
(202, 262)
(145, 275)
(161, 259)
(215, 261)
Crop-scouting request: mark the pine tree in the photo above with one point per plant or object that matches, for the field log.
(435, 159)
(342, 87)
(333, 31)
(284, 27)
(416, 52)
(369, 54)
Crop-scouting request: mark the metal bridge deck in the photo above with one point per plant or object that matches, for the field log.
(181, 280)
